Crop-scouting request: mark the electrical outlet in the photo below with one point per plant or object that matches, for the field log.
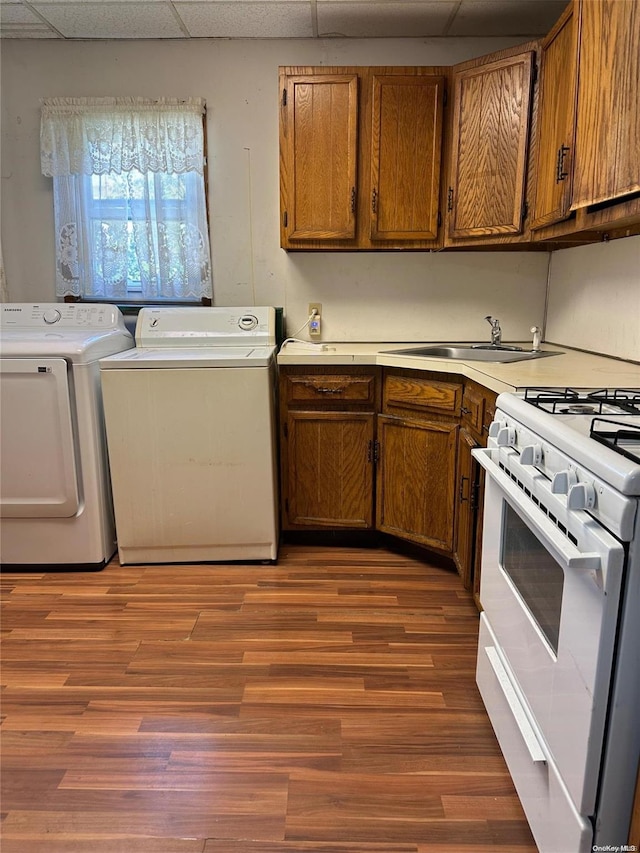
(315, 311)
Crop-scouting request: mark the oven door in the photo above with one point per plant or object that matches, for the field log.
(550, 590)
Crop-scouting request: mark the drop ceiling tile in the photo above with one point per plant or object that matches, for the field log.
(239, 19)
(14, 13)
(108, 20)
(506, 17)
(17, 21)
(395, 19)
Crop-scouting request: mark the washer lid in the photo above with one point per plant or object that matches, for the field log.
(149, 358)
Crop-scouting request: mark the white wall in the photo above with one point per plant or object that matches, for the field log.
(594, 298)
(373, 296)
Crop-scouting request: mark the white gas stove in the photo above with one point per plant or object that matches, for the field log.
(559, 646)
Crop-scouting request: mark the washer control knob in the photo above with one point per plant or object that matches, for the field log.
(581, 496)
(531, 454)
(563, 481)
(506, 437)
(51, 316)
(248, 322)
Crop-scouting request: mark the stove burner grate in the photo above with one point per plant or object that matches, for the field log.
(624, 438)
(569, 401)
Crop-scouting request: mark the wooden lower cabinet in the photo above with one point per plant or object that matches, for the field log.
(329, 470)
(416, 476)
(327, 446)
(363, 448)
(466, 505)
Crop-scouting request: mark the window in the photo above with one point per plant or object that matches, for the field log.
(129, 199)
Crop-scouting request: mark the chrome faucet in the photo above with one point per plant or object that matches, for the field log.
(496, 331)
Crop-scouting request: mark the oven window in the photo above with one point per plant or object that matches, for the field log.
(537, 576)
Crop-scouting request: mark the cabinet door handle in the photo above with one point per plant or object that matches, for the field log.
(450, 199)
(560, 171)
(464, 410)
(353, 199)
(462, 497)
(475, 495)
(374, 201)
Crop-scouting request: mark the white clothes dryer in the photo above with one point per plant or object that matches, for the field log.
(190, 418)
(55, 495)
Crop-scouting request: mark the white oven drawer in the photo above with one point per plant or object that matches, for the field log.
(556, 825)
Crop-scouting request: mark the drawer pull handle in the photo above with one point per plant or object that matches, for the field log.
(329, 390)
(526, 729)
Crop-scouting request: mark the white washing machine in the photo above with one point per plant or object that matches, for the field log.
(55, 495)
(190, 418)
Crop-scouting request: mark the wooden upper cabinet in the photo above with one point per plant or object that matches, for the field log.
(406, 140)
(490, 138)
(556, 117)
(607, 158)
(360, 157)
(319, 143)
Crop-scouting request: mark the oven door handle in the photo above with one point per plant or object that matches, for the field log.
(565, 553)
(526, 729)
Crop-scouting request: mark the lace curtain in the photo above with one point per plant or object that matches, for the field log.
(129, 199)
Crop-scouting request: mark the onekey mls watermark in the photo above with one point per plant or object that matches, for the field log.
(614, 848)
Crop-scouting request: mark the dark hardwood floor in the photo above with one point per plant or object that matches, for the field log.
(326, 704)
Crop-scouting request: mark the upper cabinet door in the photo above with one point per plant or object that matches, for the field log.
(556, 116)
(406, 143)
(320, 149)
(491, 117)
(607, 160)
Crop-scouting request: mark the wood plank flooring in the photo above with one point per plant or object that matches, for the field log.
(326, 704)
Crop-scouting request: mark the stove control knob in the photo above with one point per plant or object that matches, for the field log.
(494, 428)
(581, 496)
(51, 316)
(531, 454)
(506, 437)
(563, 481)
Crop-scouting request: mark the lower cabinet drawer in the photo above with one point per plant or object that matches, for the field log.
(330, 388)
(555, 822)
(418, 394)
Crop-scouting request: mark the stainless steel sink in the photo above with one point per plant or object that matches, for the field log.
(479, 352)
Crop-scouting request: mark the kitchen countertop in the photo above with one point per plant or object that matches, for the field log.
(573, 368)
